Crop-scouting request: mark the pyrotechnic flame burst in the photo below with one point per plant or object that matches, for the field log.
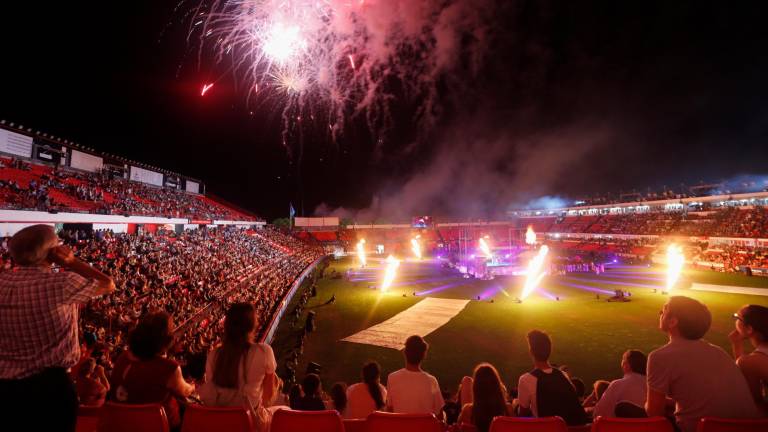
(485, 248)
(530, 236)
(416, 247)
(535, 272)
(390, 273)
(361, 252)
(675, 262)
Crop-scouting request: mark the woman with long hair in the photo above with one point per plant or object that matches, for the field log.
(240, 372)
(338, 396)
(489, 399)
(752, 325)
(144, 375)
(368, 396)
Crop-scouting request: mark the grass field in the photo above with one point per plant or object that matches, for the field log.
(589, 335)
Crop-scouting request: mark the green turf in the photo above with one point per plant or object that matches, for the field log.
(589, 335)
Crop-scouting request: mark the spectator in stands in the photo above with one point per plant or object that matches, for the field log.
(699, 377)
(489, 399)
(92, 383)
(38, 328)
(451, 408)
(411, 389)
(311, 399)
(578, 385)
(240, 372)
(631, 388)
(465, 390)
(752, 324)
(294, 395)
(598, 388)
(546, 391)
(368, 396)
(339, 398)
(143, 375)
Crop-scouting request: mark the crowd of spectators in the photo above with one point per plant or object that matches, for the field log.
(24, 186)
(191, 275)
(725, 222)
(680, 192)
(685, 380)
(718, 257)
(732, 258)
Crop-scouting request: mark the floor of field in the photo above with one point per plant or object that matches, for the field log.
(589, 335)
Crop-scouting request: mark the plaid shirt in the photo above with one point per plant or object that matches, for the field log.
(38, 319)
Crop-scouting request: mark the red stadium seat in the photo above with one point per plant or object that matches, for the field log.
(131, 418)
(652, 424)
(355, 425)
(88, 418)
(715, 424)
(198, 418)
(528, 424)
(392, 422)
(286, 420)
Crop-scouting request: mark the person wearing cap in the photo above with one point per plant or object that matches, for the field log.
(39, 328)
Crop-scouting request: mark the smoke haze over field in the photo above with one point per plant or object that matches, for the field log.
(483, 172)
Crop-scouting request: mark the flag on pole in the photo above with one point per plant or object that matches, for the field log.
(291, 211)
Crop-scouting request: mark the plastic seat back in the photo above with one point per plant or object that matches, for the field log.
(355, 425)
(286, 420)
(198, 418)
(528, 424)
(87, 418)
(395, 422)
(716, 424)
(612, 424)
(131, 418)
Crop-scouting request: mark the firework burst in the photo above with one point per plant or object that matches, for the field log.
(333, 58)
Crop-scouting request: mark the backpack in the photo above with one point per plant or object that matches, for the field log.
(555, 396)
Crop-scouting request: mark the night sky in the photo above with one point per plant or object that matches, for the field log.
(568, 99)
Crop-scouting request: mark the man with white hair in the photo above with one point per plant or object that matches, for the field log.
(39, 331)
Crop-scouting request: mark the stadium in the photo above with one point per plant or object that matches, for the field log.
(459, 254)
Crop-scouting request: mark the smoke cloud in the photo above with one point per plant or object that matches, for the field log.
(482, 172)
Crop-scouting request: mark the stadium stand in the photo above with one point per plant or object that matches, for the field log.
(29, 186)
(194, 275)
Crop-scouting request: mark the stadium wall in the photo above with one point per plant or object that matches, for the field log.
(11, 221)
(270, 333)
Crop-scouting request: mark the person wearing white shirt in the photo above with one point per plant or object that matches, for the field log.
(631, 388)
(411, 390)
(368, 396)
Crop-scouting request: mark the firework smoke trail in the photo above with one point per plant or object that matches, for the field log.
(390, 273)
(675, 262)
(535, 272)
(329, 59)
